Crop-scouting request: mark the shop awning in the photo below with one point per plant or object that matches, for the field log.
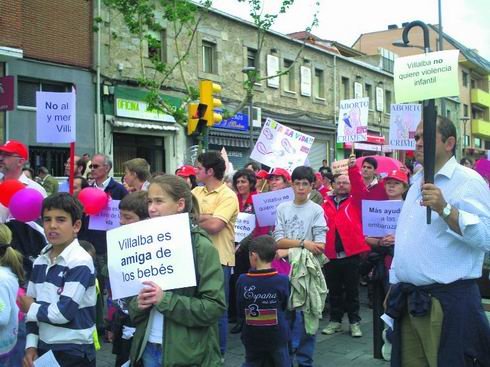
(144, 125)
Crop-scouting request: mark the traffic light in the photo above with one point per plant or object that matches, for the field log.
(207, 89)
(195, 120)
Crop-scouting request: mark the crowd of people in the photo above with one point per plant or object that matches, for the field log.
(275, 284)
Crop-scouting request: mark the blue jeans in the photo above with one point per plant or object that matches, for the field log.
(153, 355)
(302, 343)
(223, 321)
(277, 358)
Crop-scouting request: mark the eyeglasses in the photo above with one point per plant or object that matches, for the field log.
(94, 166)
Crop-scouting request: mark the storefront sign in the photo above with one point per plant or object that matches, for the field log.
(138, 110)
(238, 122)
(7, 93)
(426, 76)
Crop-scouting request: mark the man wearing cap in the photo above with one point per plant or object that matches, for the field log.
(434, 297)
(13, 155)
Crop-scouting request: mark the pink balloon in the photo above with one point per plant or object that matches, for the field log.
(93, 200)
(26, 204)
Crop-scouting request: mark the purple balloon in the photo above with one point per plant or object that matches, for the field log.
(26, 204)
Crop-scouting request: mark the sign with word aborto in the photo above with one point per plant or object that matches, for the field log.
(158, 249)
(107, 219)
(353, 120)
(281, 146)
(404, 119)
(56, 117)
(426, 76)
(244, 225)
(379, 218)
(265, 205)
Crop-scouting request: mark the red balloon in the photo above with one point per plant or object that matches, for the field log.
(93, 200)
(7, 189)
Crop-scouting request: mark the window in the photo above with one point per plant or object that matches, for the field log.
(252, 61)
(465, 110)
(318, 84)
(289, 84)
(473, 83)
(387, 59)
(465, 79)
(466, 140)
(448, 114)
(369, 94)
(27, 88)
(157, 46)
(387, 101)
(345, 93)
(477, 142)
(209, 57)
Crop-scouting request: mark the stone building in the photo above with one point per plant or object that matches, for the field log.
(470, 110)
(305, 99)
(46, 46)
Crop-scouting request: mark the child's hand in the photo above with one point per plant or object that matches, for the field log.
(281, 253)
(25, 303)
(150, 295)
(314, 247)
(29, 357)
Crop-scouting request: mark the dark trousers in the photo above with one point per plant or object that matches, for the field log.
(342, 277)
(268, 358)
(69, 360)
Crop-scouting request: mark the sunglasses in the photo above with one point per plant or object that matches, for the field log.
(94, 166)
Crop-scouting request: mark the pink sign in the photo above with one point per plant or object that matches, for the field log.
(7, 93)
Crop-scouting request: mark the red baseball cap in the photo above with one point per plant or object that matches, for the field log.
(15, 147)
(262, 174)
(398, 175)
(280, 172)
(186, 171)
(318, 176)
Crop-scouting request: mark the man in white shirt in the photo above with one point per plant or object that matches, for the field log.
(434, 297)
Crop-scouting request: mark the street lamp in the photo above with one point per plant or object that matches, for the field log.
(464, 120)
(429, 114)
(250, 71)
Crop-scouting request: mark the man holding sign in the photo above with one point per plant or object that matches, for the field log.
(438, 263)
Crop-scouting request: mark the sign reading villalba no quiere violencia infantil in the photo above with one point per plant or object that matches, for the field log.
(426, 76)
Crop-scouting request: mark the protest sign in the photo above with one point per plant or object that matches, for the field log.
(353, 120)
(244, 225)
(340, 167)
(107, 219)
(280, 146)
(56, 117)
(265, 205)
(426, 76)
(404, 119)
(158, 249)
(379, 218)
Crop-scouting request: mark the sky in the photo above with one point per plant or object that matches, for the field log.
(344, 20)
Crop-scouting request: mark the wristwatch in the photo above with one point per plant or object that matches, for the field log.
(446, 211)
(302, 244)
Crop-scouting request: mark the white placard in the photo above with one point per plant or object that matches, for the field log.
(158, 249)
(380, 99)
(353, 120)
(404, 119)
(244, 225)
(305, 74)
(108, 218)
(272, 69)
(56, 117)
(426, 76)
(47, 360)
(379, 217)
(265, 205)
(340, 167)
(281, 146)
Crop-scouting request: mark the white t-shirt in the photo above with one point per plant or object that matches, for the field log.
(156, 327)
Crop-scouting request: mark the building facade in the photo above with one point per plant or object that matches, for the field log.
(470, 110)
(47, 46)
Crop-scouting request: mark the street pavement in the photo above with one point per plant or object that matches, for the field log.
(336, 350)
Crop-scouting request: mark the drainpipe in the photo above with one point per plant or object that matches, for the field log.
(335, 112)
(98, 146)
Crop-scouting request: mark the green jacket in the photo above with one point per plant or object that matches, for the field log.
(190, 336)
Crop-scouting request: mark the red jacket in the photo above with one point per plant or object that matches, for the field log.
(377, 192)
(347, 221)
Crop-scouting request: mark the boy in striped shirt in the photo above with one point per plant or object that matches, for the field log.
(60, 301)
(262, 300)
